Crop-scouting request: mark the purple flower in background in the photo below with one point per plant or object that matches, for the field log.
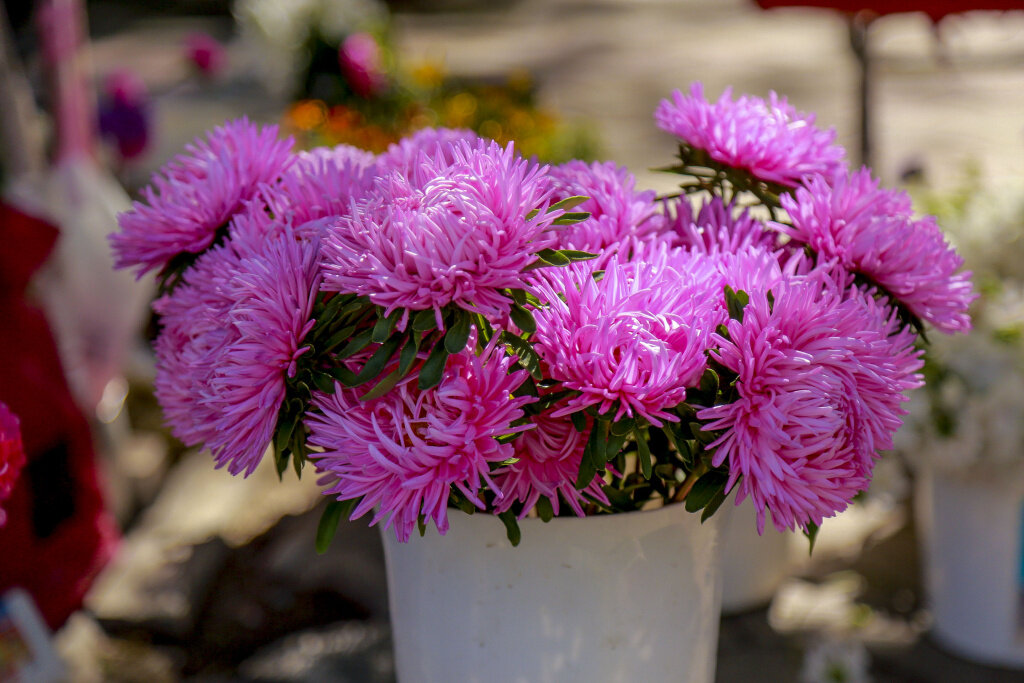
(821, 381)
(619, 214)
(547, 464)
(360, 61)
(12, 454)
(231, 334)
(205, 53)
(770, 139)
(633, 340)
(195, 194)
(403, 452)
(873, 232)
(124, 114)
(456, 234)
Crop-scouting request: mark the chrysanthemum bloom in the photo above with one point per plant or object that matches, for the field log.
(322, 183)
(195, 195)
(402, 452)
(715, 227)
(12, 454)
(232, 335)
(548, 463)
(434, 143)
(873, 232)
(618, 212)
(634, 340)
(821, 381)
(770, 139)
(457, 238)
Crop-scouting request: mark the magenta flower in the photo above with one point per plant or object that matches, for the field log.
(232, 335)
(548, 462)
(438, 144)
(195, 195)
(821, 380)
(771, 140)
(205, 53)
(634, 340)
(873, 232)
(619, 213)
(458, 234)
(12, 454)
(716, 228)
(360, 62)
(124, 114)
(403, 452)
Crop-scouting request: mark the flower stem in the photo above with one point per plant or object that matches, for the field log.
(696, 473)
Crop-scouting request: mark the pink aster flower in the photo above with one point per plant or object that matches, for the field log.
(548, 462)
(195, 195)
(715, 227)
(770, 139)
(821, 381)
(12, 454)
(619, 213)
(633, 340)
(458, 238)
(436, 144)
(873, 232)
(402, 453)
(232, 335)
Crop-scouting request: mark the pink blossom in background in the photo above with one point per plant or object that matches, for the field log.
(619, 214)
(12, 454)
(822, 378)
(403, 452)
(456, 234)
(635, 339)
(770, 139)
(715, 227)
(196, 194)
(125, 118)
(360, 60)
(231, 336)
(850, 220)
(205, 53)
(548, 464)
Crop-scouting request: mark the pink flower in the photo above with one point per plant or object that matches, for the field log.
(205, 53)
(454, 233)
(403, 452)
(873, 232)
(359, 58)
(438, 144)
(12, 454)
(632, 341)
(548, 463)
(821, 380)
(232, 335)
(717, 228)
(618, 213)
(195, 195)
(771, 140)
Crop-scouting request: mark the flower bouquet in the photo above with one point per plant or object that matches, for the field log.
(448, 325)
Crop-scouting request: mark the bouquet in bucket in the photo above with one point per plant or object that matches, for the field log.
(450, 325)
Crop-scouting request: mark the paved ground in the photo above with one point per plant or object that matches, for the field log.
(213, 587)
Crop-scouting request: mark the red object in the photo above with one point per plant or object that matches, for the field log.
(935, 9)
(58, 534)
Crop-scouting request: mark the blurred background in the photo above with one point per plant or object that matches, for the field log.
(172, 570)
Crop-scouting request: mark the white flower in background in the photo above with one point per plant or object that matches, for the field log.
(276, 31)
(836, 661)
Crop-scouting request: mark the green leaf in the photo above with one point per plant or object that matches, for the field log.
(433, 369)
(382, 387)
(384, 326)
(623, 426)
(643, 452)
(527, 357)
(568, 203)
(571, 218)
(704, 490)
(408, 355)
(424, 320)
(328, 526)
(285, 426)
(614, 445)
(281, 461)
(379, 360)
(553, 257)
(812, 535)
(343, 375)
(587, 467)
(339, 336)
(579, 421)
(544, 509)
(358, 343)
(713, 505)
(458, 334)
(523, 319)
(324, 382)
(709, 382)
(574, 255)
(511, 527)
(484, 330)
(735, 302)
